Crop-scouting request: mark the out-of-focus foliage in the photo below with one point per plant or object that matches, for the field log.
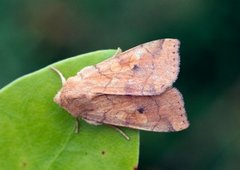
(36, 33)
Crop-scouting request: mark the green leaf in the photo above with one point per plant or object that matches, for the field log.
(35, 133)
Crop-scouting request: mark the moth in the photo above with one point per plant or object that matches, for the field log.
(131, 89)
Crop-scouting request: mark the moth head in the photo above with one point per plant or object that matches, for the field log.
(72, 99)
(70, 105)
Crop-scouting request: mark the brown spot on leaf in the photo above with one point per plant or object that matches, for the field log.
(24, 164)
(103, 152)
(135, 168)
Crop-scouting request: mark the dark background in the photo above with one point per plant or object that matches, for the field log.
(34, 34)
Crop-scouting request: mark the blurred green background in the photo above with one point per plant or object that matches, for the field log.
(34, 34)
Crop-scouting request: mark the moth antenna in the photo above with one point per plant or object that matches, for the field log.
(60, 74)
(120, 131)
(76, 127)
(119, 50)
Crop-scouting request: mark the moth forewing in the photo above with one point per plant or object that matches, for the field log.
(148, 69)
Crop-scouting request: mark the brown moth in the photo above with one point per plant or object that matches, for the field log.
(132, 89)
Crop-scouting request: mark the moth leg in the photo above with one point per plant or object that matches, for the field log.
(120, 131)
(76, 127)
(119, 50)
(60, 74)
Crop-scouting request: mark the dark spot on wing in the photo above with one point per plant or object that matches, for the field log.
(141, 109)
(135, 67)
